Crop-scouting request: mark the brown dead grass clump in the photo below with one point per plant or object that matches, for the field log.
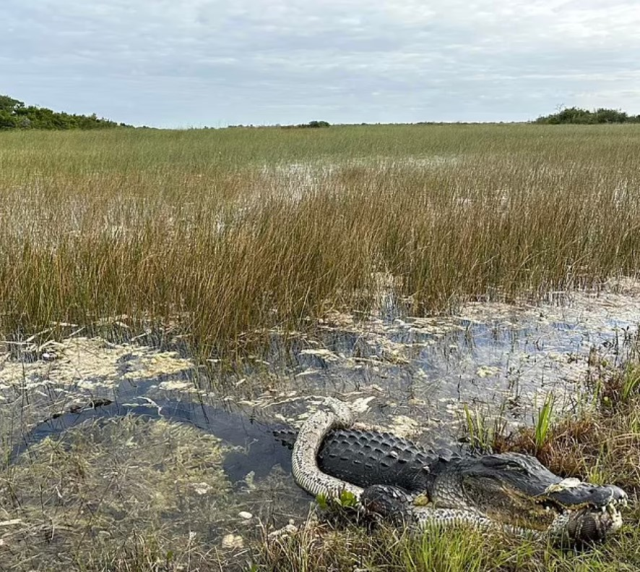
(602, 446)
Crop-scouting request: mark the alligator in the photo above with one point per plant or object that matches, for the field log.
(391, 477)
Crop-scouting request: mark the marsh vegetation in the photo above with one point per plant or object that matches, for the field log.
(232, 246)
(226, 234)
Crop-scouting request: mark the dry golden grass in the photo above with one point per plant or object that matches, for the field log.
(226, 233)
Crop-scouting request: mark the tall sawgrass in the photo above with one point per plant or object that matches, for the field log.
(225, 235)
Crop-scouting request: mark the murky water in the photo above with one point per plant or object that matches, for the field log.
(497, 358)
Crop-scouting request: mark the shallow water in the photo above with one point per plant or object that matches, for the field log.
(495, 358)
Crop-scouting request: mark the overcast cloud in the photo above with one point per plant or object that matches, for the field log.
(182, 63)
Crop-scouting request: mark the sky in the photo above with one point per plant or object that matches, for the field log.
(194, 63)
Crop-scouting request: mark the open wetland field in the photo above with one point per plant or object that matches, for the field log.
(169, 298)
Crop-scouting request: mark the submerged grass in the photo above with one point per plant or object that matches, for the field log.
(226, 234)
(127, 494)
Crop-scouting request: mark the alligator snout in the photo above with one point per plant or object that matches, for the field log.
(573, 494)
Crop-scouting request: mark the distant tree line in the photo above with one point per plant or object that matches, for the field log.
(586, 117)
(310, 125)
(15, 114)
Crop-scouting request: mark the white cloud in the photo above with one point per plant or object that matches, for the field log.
(191, 62)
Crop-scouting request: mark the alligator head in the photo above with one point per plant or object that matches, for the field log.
(518, 491)
(512, 491)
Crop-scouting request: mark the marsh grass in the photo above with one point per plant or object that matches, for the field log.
(601, 445)
(318, 547)
(226, 235)
(543, 422)
(630, 384)
(481, 430)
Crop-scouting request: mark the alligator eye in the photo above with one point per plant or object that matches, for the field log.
(498, 462)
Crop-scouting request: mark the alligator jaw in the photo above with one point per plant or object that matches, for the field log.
(517, 491)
